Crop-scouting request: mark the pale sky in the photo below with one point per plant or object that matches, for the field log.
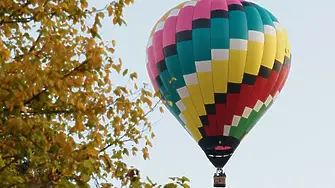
(292, 145)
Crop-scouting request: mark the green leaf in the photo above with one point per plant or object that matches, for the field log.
(125, 72)
(64, 183)
(185, 179)
(149, 180)
(117, 155)
(88, 164)
(173, 178)
(170, 185)
(2, 163)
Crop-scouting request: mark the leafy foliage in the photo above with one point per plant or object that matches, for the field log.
(63, 122)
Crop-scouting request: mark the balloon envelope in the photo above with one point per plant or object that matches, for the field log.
(221, 64)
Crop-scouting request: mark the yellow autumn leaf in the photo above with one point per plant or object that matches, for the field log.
(117, 91)
(96, 62)
(148, 143)
(101, 14)
(113, 43)
(110, 10)
(67, 148)
(61, 138)
(134, 151)
(84, 4)
(78, 127)
(124, 90)
(92, 151)
(147, 100)
(117, 67)
(145, 152)
(133, 75)
(157, 94)
(111, 50)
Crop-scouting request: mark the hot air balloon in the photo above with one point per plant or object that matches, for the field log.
(221, 64)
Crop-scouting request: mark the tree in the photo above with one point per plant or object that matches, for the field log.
(63, 122)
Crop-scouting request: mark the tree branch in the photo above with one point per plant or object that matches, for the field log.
(44, 89)
(25, 20)
(8, 156)
(153, 107)
(50, 112)
(35, 42)
(110, 145)
(19, 20)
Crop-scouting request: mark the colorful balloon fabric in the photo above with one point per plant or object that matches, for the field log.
(221, 63)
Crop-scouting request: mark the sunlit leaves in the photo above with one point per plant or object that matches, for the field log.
(145, 152)
(178, 181)
(133, 75)
(63, 122)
